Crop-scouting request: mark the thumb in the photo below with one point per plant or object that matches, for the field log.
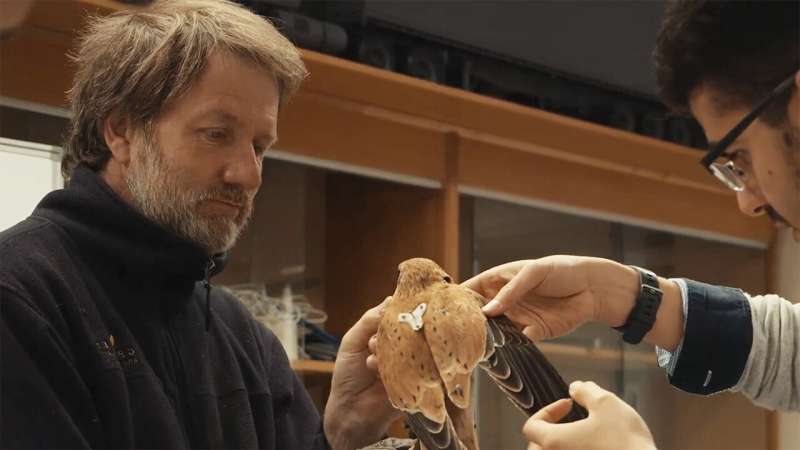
(535, 333)
(537, 431)
(554, 412)
(541, 424)
(357, 338)
(588, 394)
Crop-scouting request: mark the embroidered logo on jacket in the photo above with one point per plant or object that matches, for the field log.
(124, 355)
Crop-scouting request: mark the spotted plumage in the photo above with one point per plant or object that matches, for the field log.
(432, 336)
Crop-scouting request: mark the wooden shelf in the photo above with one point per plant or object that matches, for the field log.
(567, 355)
(390, 123)
(562, 354)
(312, 367)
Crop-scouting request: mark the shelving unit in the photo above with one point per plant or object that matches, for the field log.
(311, 367)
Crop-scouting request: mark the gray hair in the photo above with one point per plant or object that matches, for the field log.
(134, 63)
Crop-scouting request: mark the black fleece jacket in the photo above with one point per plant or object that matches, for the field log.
(107, 341)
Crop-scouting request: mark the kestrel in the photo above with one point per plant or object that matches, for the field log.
(432, 336)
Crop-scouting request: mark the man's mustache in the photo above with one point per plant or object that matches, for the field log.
(228, 194)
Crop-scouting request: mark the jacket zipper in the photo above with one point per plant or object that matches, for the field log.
(180, 381)
(207, 285)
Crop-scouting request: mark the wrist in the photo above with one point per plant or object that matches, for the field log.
(615, 287)
(346, 429)
(335, 426)
(667, 332)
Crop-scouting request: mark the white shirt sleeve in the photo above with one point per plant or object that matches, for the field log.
(667, 360)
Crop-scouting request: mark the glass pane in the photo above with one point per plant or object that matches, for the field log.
(503, 232)
(646, 387)
(495, 232)
(32, 126)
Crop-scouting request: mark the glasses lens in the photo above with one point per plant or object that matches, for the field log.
(728, 174)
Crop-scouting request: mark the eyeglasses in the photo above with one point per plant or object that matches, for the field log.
(729, 172)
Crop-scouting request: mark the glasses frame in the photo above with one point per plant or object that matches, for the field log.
(727, 172)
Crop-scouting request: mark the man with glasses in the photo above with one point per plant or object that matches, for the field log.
(736, 67)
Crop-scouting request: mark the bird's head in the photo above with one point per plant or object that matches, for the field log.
(417, 274)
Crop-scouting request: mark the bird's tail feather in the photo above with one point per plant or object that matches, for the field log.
(434, 435)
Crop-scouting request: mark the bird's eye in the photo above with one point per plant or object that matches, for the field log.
(447, 279)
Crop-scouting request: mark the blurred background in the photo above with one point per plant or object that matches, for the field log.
(470, 132)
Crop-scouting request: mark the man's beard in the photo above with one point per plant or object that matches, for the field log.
(162, 194)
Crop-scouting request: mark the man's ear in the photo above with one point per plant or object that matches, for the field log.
(118, 134)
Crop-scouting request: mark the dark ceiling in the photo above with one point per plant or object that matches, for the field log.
(608, 42)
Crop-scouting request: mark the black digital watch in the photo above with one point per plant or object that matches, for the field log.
(643, 315)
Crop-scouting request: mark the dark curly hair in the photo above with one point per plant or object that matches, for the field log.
(742, 49)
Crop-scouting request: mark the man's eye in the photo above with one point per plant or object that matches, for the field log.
(259, 149)
(216, 134)
(738, 155)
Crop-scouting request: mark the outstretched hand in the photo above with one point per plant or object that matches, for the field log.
(612, 424)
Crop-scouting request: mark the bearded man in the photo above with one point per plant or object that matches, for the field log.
(112, 335)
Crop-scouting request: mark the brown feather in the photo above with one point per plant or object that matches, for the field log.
(427, 354)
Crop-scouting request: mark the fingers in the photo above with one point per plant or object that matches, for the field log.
(373, 343)
(554, 412)
(477, 283)
(357, 338)
(543, 427)
(588, 394)
(537, 431)
(527, 279)
(372, 363)
(491, 280)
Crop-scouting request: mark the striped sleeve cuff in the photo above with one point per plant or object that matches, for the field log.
(666, 359)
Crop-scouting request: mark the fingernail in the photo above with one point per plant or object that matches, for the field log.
(491, 307)
(574, 385)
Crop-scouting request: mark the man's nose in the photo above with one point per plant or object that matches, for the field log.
(751, 202)
(244, 169)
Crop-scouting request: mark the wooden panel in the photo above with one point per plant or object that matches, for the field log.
(372, 226)
(325, 128)
(481, 114)
(562, 182)
(34, 62)
(68, 16)
(41, 79)
(451, 216)
(351, 113)
(309, 367)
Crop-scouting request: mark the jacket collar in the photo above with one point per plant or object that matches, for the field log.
(104, 226)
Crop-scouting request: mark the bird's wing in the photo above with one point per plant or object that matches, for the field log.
(455, 329)
(407, 368)
(520, 369)
(434, 435)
